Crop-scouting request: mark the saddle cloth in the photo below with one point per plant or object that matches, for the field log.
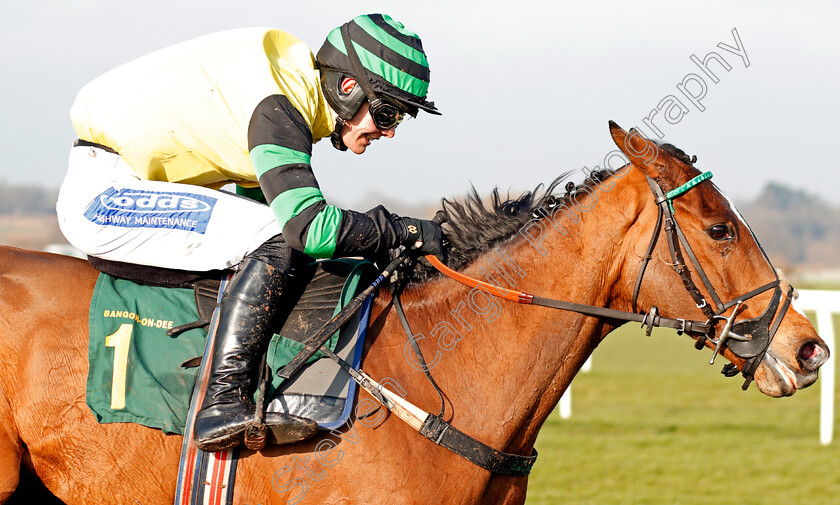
(135, 372)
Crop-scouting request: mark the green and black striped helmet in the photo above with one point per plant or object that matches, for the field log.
(393, 60)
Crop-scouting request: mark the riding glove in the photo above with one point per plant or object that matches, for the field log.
(421, 235)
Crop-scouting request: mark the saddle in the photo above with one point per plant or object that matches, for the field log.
(321, 391)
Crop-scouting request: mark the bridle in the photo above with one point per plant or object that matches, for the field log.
(748, 339)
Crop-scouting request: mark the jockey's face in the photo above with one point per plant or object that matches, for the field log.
(360, 131)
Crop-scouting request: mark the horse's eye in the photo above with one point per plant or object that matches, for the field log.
(720, 232)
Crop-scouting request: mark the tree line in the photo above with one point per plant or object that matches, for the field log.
(796, 228)
(27, 199)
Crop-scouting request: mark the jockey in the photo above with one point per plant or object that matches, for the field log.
(159, 136)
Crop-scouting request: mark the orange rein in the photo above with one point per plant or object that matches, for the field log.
(507, 294)
(649, 320)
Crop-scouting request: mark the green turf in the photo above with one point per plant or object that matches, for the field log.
(654, 423)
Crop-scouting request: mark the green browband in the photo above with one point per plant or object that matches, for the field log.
(685, 187)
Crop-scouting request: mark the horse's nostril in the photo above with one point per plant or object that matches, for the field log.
(808, 351)
(812, 355)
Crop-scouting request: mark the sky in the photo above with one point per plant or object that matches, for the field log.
(526, 88)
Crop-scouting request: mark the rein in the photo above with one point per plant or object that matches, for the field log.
(649, 320)
(749, 339)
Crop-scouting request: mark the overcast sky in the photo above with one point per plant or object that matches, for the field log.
(526, 88)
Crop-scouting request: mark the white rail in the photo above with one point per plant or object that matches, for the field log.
(566, 399)
(824, 303)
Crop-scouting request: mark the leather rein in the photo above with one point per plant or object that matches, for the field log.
(748, 339)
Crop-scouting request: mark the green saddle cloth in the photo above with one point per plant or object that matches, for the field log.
(135, 373)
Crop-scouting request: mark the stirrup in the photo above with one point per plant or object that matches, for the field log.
(288, 428)
(276, 428)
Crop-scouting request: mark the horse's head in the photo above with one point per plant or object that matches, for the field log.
(704, 264)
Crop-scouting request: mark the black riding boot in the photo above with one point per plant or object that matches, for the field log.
(245, 327)
(245, 317)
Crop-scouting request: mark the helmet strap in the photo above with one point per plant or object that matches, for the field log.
(358, 69)
(335, 136)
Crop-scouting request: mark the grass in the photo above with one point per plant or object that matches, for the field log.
(654, 424)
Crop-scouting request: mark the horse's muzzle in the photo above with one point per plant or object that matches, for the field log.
(776, 377)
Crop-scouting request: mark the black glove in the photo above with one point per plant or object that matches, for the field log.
(420, 235)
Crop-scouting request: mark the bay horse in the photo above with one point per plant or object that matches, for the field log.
(502, 366)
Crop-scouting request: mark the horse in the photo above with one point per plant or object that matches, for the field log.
(501, 366)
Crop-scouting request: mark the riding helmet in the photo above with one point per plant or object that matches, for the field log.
(392, 57)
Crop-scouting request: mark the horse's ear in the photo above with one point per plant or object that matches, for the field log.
(643, 153)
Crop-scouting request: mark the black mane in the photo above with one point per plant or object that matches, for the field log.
(473, 228)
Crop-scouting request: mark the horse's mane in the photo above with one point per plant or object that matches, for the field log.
(473, 227)
(677, 153)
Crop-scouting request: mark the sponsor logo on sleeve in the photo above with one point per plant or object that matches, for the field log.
(131, 208)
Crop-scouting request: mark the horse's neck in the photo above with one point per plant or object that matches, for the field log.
(504, 365)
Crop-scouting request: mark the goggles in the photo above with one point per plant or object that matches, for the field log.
(385, 114)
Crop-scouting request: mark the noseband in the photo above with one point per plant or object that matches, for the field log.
(748, 339)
